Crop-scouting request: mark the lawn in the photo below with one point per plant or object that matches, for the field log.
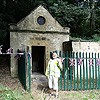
(9, 94)
(16, 94)
(11, 89)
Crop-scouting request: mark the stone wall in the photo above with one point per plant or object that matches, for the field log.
(51, 41)
(86, 46)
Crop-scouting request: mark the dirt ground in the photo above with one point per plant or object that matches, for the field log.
(41, 92)
(7, 80)
(39, 89)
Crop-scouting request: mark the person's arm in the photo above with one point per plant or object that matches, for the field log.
(60, 64)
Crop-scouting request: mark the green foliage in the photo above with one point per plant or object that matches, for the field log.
(96, 37)
(82, 17)
(72, 16)
(3, 34)
(79, 18)
(8, 94)
(85, 99)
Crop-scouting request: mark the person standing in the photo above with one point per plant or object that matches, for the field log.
(53, 73)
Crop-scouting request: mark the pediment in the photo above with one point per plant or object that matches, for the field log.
(39, 19)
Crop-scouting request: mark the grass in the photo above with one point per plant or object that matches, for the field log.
(82, 95)
(8, 94)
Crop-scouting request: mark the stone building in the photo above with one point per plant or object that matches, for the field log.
(41, 33)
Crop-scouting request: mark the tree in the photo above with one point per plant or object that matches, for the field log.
(82, 16)
(70, 15)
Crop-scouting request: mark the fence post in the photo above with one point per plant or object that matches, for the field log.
(86, 73)
(74, 72)
(98, 82)
(66, 77)
(93, 72)
(77, 70)
(80, 72)
(29, 72)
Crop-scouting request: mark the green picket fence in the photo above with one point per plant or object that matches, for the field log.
(81, 71)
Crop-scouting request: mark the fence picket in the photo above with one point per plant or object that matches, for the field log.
(70, 76)
(83, 74)
(81, 71)
(98, 74)
(86, 73)
(77, 72)
(66, 72)
(89, 74)
(74, 73)
(93, 73)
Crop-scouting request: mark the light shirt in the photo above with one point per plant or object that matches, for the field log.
(54, 67)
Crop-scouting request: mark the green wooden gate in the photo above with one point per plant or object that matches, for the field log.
(81, 71)
(24, 69)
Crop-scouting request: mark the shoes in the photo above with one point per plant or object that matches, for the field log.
(56, 96)
(51, 94)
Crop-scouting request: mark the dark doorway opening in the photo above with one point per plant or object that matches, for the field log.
(38, 55)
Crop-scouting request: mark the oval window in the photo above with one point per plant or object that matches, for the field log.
(41, 20)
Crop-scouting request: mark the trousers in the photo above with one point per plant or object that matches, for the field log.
(53, 82)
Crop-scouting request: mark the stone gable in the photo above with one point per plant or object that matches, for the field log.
(30, 21)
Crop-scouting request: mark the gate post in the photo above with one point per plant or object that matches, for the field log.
(29, 72)
(28, 68)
